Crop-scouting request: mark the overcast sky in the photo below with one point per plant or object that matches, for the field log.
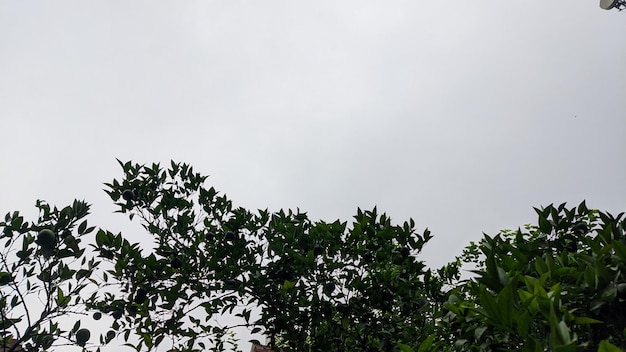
(460, 114)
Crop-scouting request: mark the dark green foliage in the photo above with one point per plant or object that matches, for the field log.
(304, 284)
(555, 286)
(308, 285)
(176, 263)
(44, 276)
(318, 250)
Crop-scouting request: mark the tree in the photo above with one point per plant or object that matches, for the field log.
(556, 286)
(44, 274)
(307, 285)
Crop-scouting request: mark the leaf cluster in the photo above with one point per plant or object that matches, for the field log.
(308, 285)
(559, 286)
(44, 274)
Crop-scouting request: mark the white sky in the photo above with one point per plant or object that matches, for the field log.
(463, 115)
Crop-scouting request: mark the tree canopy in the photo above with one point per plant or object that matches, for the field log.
(307, 285)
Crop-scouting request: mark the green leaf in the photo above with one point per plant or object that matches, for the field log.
(102, 238)
(506, 306)
(609, 293)
(7, 323)
(82, 227)
(405, 348)
(620, 249)
(540, 265)
(490, 306)
(478, 332)
(287, 285)
(606, 346)
(62, 300)
(427, 344)
(563, 333)
(586, 320)
(544, 224)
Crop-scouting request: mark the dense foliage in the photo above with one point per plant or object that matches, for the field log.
(307, 285)
(557, 286)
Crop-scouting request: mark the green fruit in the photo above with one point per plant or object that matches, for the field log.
(231, 284)
(5, 278)
(128, 195)
(176, 263)
(117, 314)
(97, 315)
(46, 239)
(405, 251)
(621, 290)
(367, 258)
(230, 236)
(82, 336)
(209, 236)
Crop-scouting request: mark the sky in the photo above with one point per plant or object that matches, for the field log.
(461, 115)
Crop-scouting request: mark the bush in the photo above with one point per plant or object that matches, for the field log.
(556, 286)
